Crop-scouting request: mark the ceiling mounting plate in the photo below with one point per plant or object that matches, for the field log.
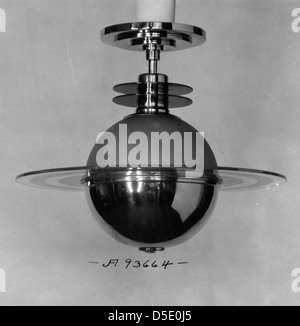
(136, 36)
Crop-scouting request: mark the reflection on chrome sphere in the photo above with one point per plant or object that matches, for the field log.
(151, 213)
(151, 208)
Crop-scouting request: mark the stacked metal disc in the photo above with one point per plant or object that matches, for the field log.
(152, 93)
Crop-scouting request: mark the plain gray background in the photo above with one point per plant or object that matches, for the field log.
(56, 81)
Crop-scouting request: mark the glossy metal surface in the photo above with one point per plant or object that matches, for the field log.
(151, 213)
(151, 207)
(173, 89)
(169, 36)
(158, 101)
(75, 178)
(153, 94)
(147, 207)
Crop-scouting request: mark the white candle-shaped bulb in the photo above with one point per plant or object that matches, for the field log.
(155, 10)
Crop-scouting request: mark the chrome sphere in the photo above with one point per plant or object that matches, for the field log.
(150, 208)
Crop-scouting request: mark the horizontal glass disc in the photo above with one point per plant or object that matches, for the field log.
(76, 178)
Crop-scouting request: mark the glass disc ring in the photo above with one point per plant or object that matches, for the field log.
(77, 178)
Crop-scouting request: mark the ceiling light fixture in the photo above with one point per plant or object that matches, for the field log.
(152, 179)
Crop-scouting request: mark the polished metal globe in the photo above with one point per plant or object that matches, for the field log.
(151, 208)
